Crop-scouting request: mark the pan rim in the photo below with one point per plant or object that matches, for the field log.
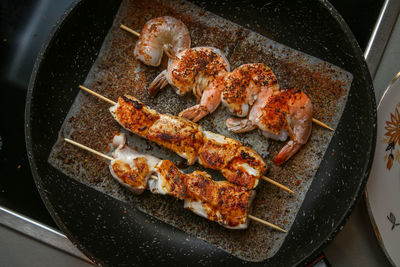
(28, 136)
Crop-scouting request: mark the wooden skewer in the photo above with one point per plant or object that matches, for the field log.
(114, 103)
(156, 178)
(98, 95)
(320, 123)
(95, 152)
(88, 149)
(277, 184)
(122, 26)
(266, 223)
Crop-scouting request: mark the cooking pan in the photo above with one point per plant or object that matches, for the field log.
(111, 232)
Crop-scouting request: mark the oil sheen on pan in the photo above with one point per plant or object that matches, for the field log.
(116, 72)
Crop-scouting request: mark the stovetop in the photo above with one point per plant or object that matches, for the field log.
(25, 26)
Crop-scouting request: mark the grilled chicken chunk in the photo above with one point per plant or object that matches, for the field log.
(170, 180)
(245, 168)
(178, 134)
(217, 150)
(221, 202)
(133, 115)
(130, 168)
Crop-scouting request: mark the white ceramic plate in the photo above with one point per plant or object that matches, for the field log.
(383, 188)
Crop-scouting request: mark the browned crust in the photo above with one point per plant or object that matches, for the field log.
(134, 116)
(177, 134)
(215, 155)
(237, 82)
(174, 178)
(192, 62)
(132, 177)
(225, 203)
(236, 173)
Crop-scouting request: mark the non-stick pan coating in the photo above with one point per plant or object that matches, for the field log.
(109, 231)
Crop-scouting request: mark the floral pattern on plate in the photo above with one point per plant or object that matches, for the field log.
(392, 138)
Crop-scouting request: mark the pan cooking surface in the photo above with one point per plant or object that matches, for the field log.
(309, 212)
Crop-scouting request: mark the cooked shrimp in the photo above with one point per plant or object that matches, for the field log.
(209, 102)
(199, 69)
(243, 85)
(279, 114)
(239, 90)
(162, 34)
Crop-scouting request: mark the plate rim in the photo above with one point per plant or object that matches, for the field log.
(377, 233)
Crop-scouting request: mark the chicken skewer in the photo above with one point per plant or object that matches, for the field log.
(238, 164)
(220, 202)
(160, 35)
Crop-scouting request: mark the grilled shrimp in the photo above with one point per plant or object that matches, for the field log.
(238, 89)
(162, 34)
(243, 85)
(279, 114)
(201, 70)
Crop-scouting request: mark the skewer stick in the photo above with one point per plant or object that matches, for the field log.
(320, 123)
(277, 184)
(98, 95)
(88, 149)
(122, 26)
(156, 178)
(114, 103)
(266, 223)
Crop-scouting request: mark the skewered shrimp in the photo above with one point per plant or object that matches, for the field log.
(238, 90)
(201, 70)
(162, 34)
(279, 114)
(243, 85)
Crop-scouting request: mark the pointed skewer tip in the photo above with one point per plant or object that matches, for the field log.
(269, 180)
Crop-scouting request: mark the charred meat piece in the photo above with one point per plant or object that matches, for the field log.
(220, 202)
(245, 168)
(180, 135)
(133, 115)
(170, 180)
(130, 168)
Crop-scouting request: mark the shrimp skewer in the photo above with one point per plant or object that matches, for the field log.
(220, 202)
(160, 35)
(157, 31)
(279, 114)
